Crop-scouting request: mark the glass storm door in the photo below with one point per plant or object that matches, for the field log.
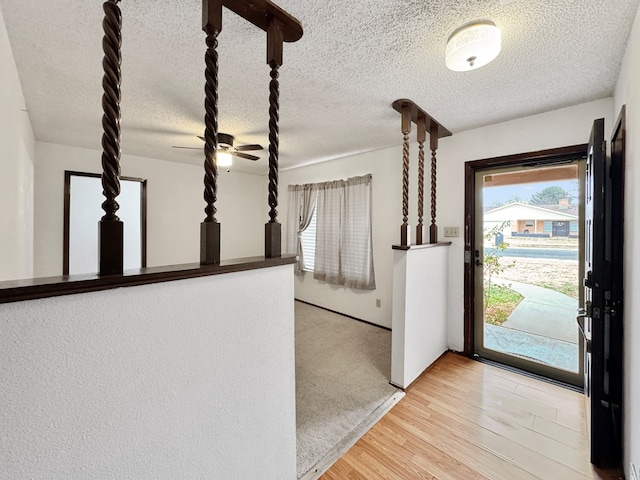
(527, 268)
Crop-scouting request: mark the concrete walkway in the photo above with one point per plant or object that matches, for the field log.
(543, 312)
(542, 327)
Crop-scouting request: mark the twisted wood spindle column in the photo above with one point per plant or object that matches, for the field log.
(110, 228)
(211, 128)
(210, 228)
(433, 229)
(420, 229)
(272, 232)
(405, 236)
(274, 142)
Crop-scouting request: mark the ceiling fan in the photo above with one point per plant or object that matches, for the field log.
(226, 150)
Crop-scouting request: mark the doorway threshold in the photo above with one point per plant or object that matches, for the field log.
(509, 368)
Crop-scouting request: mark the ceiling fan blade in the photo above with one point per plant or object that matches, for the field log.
(187, 148)
(246, 148)
(201, 138)
(245, 155)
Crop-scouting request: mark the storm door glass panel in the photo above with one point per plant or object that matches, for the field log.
(527, 268)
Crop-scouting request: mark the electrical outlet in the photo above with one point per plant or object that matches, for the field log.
(634, 471)
(378, 303)
(451, 232)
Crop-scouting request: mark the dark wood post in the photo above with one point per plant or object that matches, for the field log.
(272, 231)
(110, 228)
(433, 229)
(420, 228)
(210, 228)
(405, 234)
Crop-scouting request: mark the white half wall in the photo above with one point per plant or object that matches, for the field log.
(386, 169)
(627, 92)
(189, 379)
(16, 170)
(419, 335)
(175, 207)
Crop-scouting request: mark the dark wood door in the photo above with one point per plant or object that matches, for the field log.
(597, 317)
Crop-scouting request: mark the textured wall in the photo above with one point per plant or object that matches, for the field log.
(175, 207)
(628, 92)
(190, 379)
(16, 171)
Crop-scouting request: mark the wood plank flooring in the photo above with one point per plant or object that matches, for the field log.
(467, 420)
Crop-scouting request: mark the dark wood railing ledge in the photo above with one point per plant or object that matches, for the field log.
(44, 287)
(263, 12)
(417, 247)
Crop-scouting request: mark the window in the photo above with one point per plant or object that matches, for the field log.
(308, 238)
(329, 227)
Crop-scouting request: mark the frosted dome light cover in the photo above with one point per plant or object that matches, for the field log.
(473, 46)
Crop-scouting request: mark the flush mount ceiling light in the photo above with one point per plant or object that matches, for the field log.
(473, 46)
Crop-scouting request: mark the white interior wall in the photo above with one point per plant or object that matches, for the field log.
(175, 207)
(385, 167)
(627, 92)
(189, 379)
(16, 170)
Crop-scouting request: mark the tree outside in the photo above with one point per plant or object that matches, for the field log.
(550, 196)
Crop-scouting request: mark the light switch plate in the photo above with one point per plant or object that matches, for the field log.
(451, 232)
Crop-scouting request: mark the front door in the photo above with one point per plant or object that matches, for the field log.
(600, 318)
(527, 267)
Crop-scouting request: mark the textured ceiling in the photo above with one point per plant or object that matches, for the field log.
(337, 83)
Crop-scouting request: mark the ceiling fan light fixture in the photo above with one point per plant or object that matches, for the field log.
(223, 159)
(472, 46)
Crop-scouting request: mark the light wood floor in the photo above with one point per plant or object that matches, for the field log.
(467, 420)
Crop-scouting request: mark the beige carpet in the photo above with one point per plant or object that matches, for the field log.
(342, 377)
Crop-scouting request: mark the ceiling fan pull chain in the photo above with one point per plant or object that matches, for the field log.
(210, 228)
(111, 228)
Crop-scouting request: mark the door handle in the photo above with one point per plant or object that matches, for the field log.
(587, 281)
(582, 314)
(478, 263)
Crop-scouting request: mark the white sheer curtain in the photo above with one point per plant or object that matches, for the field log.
(357, 251)
(302, 201)
(330, 209)
(344, 247)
